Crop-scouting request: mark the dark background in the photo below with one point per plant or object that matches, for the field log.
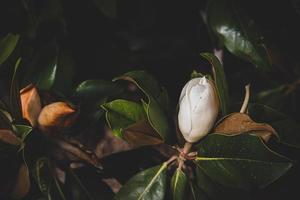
(164, 37)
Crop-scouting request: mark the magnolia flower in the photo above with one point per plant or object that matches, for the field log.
(198, 109)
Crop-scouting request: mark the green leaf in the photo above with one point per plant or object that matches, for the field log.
(148, 184)
(242, 161)
(155, 106)
(14, 97)
(196, 74)
(46, 180)
(237, 32)
(97, 89)
(44, 67)
(206, 188)
(22, 131)
(120, 114)
(196, 193)
(220, 80)
(179, 183)
(47, 77)
(107, 7)
(287, 129)
(65, 73)
(76, 187)
(7, 45)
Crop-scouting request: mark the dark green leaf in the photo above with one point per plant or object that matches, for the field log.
(196, 74)
(44, 67)
(154, 107)
(220, 80)
(146, 82)
(196, 193)
(287, 129)
(205, 187)
(242, 161)
(22, 131)
(107, 7)
(97, 89)
(65, 73)
(77, 189)
(46, 180)
(237, 32)
(47, 76)
(120, 114)
(7, 45)
(14, 97)
(86, 183)
(179, 183)
(148, 184)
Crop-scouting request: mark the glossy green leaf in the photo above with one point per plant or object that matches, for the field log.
(47, 77)
(107, 7)
(46, 181)
(242, 161)
(287, 129)
(44, 67)
(155, 106)
(220, 80)
(237, 32)
(14, 97)
(179, 183)
(64, 73)
(7, 45)
(97, 89)
(120, 114)
(206, 188)
(146, 185)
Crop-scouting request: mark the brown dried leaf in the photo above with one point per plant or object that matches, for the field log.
(239, 123)
(56, 117)
(22, 184)
(31, 104)
(141, 134)
(9, 137)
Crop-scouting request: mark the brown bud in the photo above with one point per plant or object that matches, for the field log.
(56, 117)
(31, 104)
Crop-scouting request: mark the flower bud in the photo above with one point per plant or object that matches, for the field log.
(31, 104)
(198, 109)
(56, 117)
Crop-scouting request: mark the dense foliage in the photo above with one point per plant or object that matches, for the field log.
(89, 96)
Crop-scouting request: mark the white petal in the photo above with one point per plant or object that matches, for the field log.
(184, 117)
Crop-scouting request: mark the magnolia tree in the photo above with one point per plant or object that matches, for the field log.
(67, 137)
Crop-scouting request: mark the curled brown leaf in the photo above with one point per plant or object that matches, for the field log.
(56, 116)
(141, 134)
(239, 123)
(31, 104)
(22, 184)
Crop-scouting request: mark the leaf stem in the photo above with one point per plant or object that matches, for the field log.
(246, 99)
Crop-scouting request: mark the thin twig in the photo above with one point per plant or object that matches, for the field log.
(87, 156)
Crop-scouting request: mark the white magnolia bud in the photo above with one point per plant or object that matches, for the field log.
(198, 109)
